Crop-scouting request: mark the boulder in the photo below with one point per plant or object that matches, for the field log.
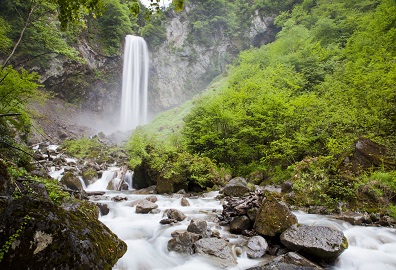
(199, 227)
(237, 187)
(103, 208)
(319, 241)
(175, 214)
(183, 242)
(71, 181)
(53, 237)
(239, 224)
(184, 202)
(172, 184)
(273, 218)
(152, 199)
(145, 207)
(288, 261)
(256, 247)
(218, 251)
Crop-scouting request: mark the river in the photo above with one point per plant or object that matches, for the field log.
(369, 247)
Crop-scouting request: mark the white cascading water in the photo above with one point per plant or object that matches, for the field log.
(134, 83)
(369, 247)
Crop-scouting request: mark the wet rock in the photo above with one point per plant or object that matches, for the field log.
(175, 214)
(155, 211)
(199, 227)
(183, 243)
(71, 181)
(288, 261)
(218, 251)
(147, 190)
(247, 205)
(387, 221)
(239, 224)
(152, 199)
(184, 202)
(354, 218)
(287, 186)
(103, 208)
(145, 206)
(273, 218)
(237, 187)
(166, 221)
(119, 198)
(256, 247)
(319, 241)
(53, 237)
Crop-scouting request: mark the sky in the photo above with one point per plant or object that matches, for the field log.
(162, 2)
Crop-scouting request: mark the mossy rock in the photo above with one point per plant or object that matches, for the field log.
(42, 235)
(171, 185)
(71, 181)
(273, 217)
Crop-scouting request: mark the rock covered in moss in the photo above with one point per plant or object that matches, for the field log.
(71, 181)
(319, 241)
(42, 235)
(273, 218)
(237, 187)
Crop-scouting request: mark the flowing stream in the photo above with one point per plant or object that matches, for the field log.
(369, 247)
(134, 83)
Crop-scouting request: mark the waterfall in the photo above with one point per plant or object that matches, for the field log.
(134, 83)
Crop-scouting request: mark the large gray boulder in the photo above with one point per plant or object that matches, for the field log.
(199, 227)
(175, 214)
(183, 242)
(273, 218)
(237, 187)
(256, 247)
(217, 251)
(145, 207)
(288, 261)
(319, 241)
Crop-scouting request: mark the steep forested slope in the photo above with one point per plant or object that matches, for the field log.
(299, 108)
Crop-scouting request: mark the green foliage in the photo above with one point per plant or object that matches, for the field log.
(154, 31)
(114, 25)
(86, 148)
(6, 246)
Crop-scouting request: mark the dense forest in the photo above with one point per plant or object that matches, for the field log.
(293, 110)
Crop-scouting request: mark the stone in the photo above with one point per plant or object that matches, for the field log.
(199, 227)
(273, 218)
(103, 208)
(175, 214)
(218, 251)
(237, 187)
(53, 237)
(184, 202)
(119, 199)
(288, 261)
(256, 247)
(152, 199)
(71, 181)
(168, 221)
(183, 243)
(319, 241)
(239, 224)
(145, 207)
(287, 186)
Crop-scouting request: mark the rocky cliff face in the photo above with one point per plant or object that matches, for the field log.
(179, 68)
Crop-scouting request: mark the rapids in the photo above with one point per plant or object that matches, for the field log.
(369, 247)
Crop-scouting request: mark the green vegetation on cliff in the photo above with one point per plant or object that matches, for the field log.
(324, 87)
